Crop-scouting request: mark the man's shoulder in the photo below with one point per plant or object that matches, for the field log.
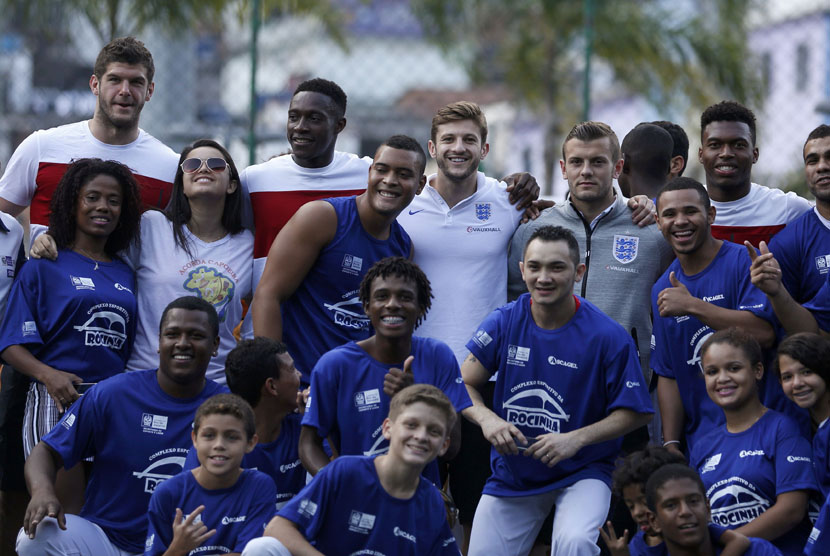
(149, 142)
(345, 354)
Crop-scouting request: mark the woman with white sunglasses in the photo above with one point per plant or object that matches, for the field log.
(197, 246)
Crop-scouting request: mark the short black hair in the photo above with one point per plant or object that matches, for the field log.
(193, 303)
(124, 50)
(811, 350)
(738, 338)
(728, 111)
(407, 143)
(680, 141)
(668, 473)
(327, 88)
(227, 404)
(556, 233)
(820, 132)
(63, 208)
(649, 147)
(250, 364)
(406, 269)
(681, 183)
(638, 466)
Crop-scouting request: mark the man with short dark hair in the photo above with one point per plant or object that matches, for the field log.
(123, 82)
(559, 409)
(746, 211)
(680, 147)
(707, 288)
(647, 156)
(137, 427)
(307, 296)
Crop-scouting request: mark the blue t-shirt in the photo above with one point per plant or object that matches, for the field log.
(744, 473)
(238, 513)
(74, 314)
(637, 546)
(675, 347)
(347, 402)
(821, 457)
(139, 436)
(818, 543)
(757, 547)
(325, 311)
(819, 306)
(803, 252)
(279, 459)
(345, 510)
(556, 381)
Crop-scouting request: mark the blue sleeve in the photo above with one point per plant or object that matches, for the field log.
(21, 324)
(160, 514)
(444, 543)
(793, 464)
(749, 297)
(307, 510)
(74, 435)
(789, 257)
(624, 382)
(447, 377)
(818, 544)
(321, 409)
(819, 306)
(260, 512)
(486, 343)
(658, 339)
(191, 461)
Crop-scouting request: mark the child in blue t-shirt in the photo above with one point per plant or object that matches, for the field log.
(262, 372)
(630, 478)
(217, 507)
(377, 505)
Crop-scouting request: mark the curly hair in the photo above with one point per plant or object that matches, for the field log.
(63, 208)
(406, 269)
(666, 473)
(227, 404)
(728, 111)
(178, 208)
(737, 338)
(637, 467)
(250, 364)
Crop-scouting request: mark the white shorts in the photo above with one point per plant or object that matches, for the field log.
(509, 526)
(265, 546)
(81, 538)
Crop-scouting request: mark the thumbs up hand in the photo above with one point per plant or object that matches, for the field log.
(765, 272)
(674, 301)
(396, 380)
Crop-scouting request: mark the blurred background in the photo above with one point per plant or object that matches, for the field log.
(226, 69)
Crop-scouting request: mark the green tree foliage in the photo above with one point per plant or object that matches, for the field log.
(677, 55)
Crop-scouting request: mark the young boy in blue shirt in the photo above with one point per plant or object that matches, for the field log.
(217, 507)
(377, 505)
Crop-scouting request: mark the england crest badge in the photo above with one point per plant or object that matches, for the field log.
(483, 211)
(625, 248)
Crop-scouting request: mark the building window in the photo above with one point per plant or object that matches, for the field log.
(802, 63)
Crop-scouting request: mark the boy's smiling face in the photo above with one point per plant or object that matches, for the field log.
(417, 435)
(221, 443)
(634, 496)
(681, 513)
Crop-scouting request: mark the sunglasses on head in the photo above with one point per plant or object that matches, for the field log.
(214, 164)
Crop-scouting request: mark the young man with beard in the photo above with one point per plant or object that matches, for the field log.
(307, 296)
(123, 81)
(559, 410)
(707, 288)
(137, 428)
(351, 385)
(746, 211)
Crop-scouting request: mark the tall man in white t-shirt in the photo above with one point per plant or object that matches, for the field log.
(746, 211)
(123, 81)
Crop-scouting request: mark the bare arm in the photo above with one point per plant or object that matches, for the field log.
(291, 257)
(671, 412)
(287, 533)
(11, 208)
(677, 301)
(312, 455)
(553, 448)
(787, 512)
(40, 471)
(496, 430)
(58, 383)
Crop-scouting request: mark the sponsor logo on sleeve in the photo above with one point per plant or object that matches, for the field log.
(794, 459)
(360, 522)
(307, 508)
(482, 338)
(632, 384)
(148, 544)
(68, 421)
(29, 328)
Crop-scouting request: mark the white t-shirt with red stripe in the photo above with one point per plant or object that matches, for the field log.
(39, 162)
(277, 188)
(758, 216)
